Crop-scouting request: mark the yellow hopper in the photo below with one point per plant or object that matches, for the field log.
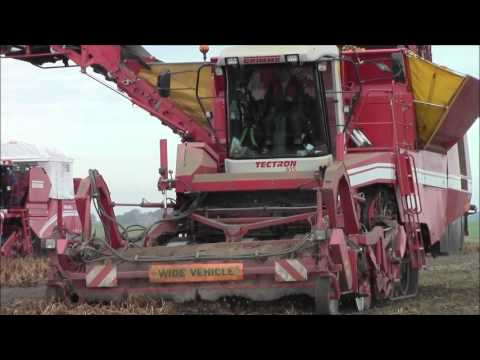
(183, 87)
(446, 103)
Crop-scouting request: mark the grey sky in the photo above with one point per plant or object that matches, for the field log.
(65, 109)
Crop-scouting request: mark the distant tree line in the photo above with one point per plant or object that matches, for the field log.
(134, 217)
(137, 217)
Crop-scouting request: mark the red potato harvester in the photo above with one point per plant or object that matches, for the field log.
(323, 170)
(37, 200)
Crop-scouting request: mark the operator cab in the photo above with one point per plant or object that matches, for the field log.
(13, 185)
(284, 106)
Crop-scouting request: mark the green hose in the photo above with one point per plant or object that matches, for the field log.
(244, 134)
(252, 137)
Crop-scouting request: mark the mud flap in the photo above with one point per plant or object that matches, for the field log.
(452, 240)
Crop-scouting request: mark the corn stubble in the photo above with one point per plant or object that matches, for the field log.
(130, 307)
(23, 272)
(449, 285)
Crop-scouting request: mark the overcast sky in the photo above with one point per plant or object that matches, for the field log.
(67, 110)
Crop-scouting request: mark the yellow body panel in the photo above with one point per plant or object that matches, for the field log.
(437, 86)
(183, 87)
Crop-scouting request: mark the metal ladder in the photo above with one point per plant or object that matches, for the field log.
(411, 203)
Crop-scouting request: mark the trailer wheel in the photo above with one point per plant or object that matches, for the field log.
(324, 305)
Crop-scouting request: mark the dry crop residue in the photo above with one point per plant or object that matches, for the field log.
(23, 272)
(448, 285)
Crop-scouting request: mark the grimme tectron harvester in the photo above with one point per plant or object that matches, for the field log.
(322, 170)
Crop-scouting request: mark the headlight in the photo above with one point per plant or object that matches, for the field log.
(50, 244)
(232, 61)
(322, 66)
(292, 59)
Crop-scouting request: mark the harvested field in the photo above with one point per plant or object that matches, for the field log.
(41, 307)
(23, 272)
(449, 285)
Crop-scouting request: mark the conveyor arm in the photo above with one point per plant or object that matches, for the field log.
(122, 65)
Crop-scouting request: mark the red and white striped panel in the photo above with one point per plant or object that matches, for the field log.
(290, 270)
(101, 276)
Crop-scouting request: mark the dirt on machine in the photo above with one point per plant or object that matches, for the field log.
(327, 171)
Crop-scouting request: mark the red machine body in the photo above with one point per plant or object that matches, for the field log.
(349, 217)
(28, 215)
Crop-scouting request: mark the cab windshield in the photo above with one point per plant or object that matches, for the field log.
(276, 111)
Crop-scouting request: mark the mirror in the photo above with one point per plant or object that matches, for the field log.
(472, 210)
(163, 84)
(322, 66)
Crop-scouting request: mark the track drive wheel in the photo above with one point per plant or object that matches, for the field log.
(324, 305)
(408, 284)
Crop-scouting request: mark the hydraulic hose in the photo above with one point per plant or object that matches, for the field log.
(307, 243)
(126, 230)
(252, 137)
